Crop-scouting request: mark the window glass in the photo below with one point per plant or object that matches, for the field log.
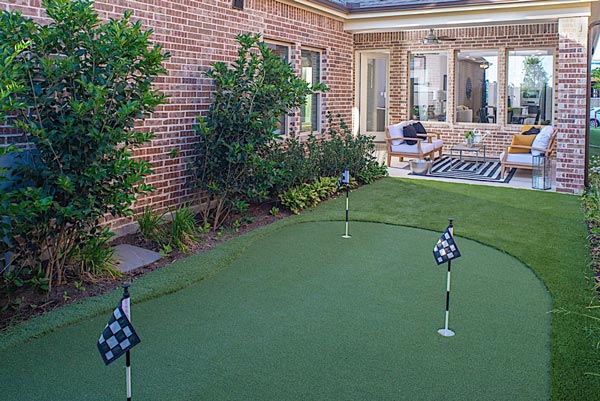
(429, 85)
(283, 52)
(530, 86)
(311, 73)
(477, 87)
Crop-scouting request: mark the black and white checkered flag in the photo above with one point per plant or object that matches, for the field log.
(445, 250)
(118, 335)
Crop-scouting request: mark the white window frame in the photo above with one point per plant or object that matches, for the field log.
(318, 94)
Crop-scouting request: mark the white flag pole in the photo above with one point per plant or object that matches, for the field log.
(346, 179)
(125, 304)
(446, 332)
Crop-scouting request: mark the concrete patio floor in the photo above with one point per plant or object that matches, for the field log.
(521, 179)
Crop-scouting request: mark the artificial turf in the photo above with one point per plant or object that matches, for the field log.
(305, 314)
(546, 231)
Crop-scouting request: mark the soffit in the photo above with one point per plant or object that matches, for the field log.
(466, 16)
(398, 15)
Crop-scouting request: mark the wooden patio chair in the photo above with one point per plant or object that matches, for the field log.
(524, 159)
(426, 146)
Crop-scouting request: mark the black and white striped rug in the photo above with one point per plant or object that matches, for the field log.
(469, 170)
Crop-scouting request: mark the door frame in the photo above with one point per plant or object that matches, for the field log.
(360, 91)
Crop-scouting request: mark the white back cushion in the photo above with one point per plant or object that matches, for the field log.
(395, 132)
(541, 140)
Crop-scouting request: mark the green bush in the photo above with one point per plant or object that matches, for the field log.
(85, 84)
(181, 231)
(183, 228)
(151, 226)
(325, 155)
(249, 98)
(309, 194)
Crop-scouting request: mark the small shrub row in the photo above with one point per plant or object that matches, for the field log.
(591, 208)
(325, 155)
(309, 194)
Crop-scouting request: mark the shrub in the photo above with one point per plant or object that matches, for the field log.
(85, 84)
(181, 232)
(325, 155)
(249, 98)
(309, 194)
(183, 228)
(151, 226)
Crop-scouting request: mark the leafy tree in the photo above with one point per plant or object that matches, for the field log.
(85, 85)
(249, 97)
(596, 77)
(535, 76)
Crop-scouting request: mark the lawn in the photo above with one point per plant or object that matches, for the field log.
(276, 284)
(594, 141)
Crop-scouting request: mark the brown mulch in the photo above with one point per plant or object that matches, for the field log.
(29, 302)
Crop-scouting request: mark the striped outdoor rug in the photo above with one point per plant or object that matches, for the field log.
(469, 170)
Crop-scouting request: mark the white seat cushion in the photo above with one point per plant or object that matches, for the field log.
(404, 148)
(520, 158)
(541, 140)
(437, 143)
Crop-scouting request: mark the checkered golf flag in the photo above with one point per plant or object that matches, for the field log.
(344, 178)
(118, 335)
(445, 250)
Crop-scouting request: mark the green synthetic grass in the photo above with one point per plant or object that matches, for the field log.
(305, 314)
(545, 231)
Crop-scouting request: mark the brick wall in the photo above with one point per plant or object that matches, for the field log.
(572, 112)
(568, 38)
(198, 33)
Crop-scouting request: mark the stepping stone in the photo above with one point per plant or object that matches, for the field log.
(130, 257)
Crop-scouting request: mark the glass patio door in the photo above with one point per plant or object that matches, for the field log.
(373, 89)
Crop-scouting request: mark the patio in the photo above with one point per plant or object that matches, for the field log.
(522, 178)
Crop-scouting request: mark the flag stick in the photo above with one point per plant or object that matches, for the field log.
(346, 178)
(347, 197)
(128, 375)
(445, 331)
(127, 311)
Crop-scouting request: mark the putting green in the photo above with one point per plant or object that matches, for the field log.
(305, 314)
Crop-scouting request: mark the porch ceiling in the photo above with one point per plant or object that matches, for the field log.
(471, 15)
(399, 15)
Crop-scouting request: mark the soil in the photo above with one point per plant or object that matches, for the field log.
(27, 303)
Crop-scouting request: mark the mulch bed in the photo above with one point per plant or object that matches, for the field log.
(33, 303)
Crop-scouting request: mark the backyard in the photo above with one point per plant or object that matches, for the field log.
(294, 311)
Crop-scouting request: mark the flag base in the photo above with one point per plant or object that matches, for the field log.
(346, 236)
(446, 332)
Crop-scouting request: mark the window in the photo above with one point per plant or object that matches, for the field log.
(283, 52)
(529, 86)
(311, 73)
(428, 82)
(476, 87)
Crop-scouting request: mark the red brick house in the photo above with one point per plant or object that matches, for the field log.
(382, 64)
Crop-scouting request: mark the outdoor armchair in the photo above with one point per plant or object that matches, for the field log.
(520, 155)
(410, 140)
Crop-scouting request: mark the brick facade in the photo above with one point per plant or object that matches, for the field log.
(572, 114)
(198, 33)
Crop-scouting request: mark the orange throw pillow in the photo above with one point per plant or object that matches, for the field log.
(522, 140)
